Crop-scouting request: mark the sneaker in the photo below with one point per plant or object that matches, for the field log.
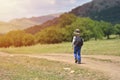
(75, 60)
(79, 62)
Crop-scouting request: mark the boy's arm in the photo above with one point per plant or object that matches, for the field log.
(73, 41)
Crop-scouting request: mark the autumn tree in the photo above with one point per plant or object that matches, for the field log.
(49, 35)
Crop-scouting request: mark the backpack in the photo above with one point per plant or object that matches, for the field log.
(78, 41)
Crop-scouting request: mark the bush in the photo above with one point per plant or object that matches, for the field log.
(5, 41)
(16, 38)
(50, 35)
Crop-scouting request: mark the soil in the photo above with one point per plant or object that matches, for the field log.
(109, 65)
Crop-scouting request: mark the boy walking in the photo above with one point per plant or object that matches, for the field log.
(77, 43)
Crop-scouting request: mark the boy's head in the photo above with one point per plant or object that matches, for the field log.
(76, 32)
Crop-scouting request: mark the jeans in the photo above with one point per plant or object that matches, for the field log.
(77, 53)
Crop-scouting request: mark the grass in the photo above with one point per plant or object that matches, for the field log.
(103, 47)
(100, 47)
(39, 48)
(26, 68)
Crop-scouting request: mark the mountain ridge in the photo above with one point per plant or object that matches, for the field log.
(98, 9)
(106, 10)
(23, 23)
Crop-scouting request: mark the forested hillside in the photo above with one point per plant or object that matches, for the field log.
(106, 10)
(61, 31)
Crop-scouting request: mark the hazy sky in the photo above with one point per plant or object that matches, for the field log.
(10, 9)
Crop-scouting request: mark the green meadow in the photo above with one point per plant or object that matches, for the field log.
(92, 47)
(28, 68)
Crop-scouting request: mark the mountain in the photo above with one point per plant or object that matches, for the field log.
(5, 27)
(61, 21)
(106, 10)
(28, 22)
(37, 28)
(24, 23)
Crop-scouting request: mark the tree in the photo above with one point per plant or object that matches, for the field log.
(107, 28)
(17, 37)
(117, 29)
(88, 28)
(66, 19)
(20, 38)
(97, 30)
(28, 39)
(49, 35)
(5, 41)
(81, 24)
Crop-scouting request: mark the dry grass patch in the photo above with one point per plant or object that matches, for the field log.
(26, 68)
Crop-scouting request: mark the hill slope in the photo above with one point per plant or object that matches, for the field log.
(5, 27)
(107, 10)
(28, 22)
(24, 23)
(37, 28)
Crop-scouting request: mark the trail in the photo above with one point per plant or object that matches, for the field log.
(110, 65)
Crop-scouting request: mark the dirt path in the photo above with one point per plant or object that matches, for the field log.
(110, 65)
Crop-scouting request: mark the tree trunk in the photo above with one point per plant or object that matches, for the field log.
(96, 38)
(108, 36)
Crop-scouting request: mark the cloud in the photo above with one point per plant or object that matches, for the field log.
(72, 1)
(26, 8)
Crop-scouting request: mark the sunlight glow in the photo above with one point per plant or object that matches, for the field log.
(10, 9)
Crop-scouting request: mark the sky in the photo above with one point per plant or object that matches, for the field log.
(10, 9)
